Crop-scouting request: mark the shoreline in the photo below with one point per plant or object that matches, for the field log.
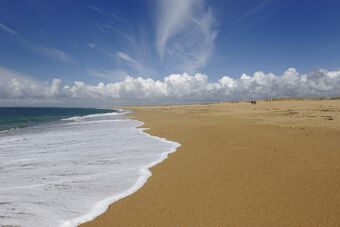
(101, 207)
(239, 164)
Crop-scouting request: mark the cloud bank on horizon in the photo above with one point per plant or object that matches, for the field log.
(16, 89)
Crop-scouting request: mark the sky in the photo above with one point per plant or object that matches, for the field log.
(101, 53)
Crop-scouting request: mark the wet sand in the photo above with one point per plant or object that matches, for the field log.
(269, 164)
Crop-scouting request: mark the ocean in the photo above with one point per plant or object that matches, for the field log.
(65, 166)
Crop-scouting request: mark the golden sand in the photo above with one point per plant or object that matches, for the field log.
(270, 164)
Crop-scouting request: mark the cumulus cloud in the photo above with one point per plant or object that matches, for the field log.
(175, 88)
(17, 86)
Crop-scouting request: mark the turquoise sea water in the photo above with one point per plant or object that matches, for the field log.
(20, 117)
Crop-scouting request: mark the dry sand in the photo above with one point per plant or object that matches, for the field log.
(270, 164)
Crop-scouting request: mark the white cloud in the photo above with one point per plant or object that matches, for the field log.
(111, 14)
(130, 61)
(14, 85)
(125, 57)
(55, 54)
(184, 38)
(51, 53)
(7, 29)
(185, 34)
(91, 45)
(252, 11)
(175, 88)
(108, 75)
(100, 11)
(172, 19)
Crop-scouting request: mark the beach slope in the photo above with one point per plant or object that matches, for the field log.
(269, 164)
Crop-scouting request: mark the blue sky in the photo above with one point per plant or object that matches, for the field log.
(250, 36)
(104, 41)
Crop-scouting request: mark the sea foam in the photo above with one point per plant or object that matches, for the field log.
(68, 173)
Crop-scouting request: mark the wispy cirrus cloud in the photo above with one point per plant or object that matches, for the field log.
(98, 10)
(52, 53)
(55, 54)
(186, 31)
(118, 31)
(173, 17)
(252, 11)
(183, 40)
(8, 29)
(113, 14)
(108, 75)
(130, 61)
(92, 45)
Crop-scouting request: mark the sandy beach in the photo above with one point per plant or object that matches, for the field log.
(270, 164)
